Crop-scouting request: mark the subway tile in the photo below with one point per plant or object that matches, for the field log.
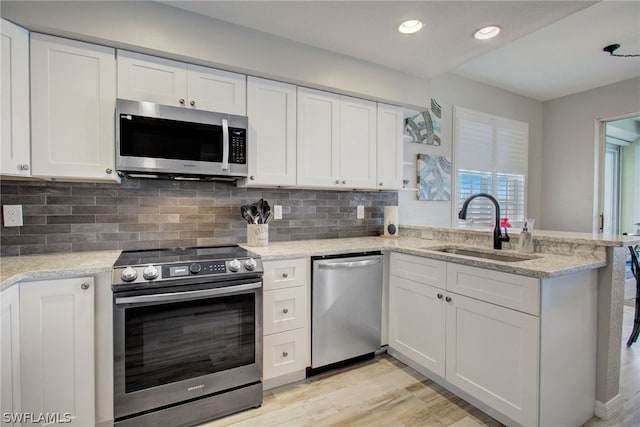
(46, 190)
(30, 239)
(45, 249)
(93, 210)
(117, 218)
(93, 191)
(178, 226)
(139, 227)
(71, 219)
(118, 236)
(71, 238)
(45, 229)
(135, 245)
(94, 246)
(70, 200)
(94, 228)
(20, 199)
(34, 220)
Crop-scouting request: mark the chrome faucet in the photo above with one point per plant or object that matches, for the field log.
(498, 238)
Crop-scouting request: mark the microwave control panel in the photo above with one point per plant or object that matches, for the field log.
(238, 146)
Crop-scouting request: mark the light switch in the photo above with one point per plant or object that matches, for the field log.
(277, 211)
(360, 212)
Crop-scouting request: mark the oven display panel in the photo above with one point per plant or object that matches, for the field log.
(208, 267)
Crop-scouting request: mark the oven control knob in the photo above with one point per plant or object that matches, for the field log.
(250, 264)
(195, 268)
(234, 265)
(129, 274)
(150, 272)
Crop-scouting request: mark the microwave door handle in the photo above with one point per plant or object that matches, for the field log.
(225, 145)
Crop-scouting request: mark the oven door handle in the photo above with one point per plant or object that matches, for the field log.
(188, 295)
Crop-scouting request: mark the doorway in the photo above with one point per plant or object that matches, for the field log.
(620, 201)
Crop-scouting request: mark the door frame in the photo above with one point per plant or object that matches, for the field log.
(599, 161)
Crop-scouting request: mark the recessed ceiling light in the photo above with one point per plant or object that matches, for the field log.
(487, 32)
(410, 26)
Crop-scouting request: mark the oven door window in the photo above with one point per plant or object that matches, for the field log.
(177, 341)
(170, 139)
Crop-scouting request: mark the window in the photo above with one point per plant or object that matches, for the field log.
(490, 157)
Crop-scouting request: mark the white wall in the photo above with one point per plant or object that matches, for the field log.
(161, 30)
(450, 90)
(569, 151)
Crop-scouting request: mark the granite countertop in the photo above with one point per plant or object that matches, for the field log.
(585, 252)
(543, 265)
(32, 267)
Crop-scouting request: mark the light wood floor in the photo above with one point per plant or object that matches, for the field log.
(384, 392)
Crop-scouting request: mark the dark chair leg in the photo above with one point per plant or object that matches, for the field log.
(635, 269)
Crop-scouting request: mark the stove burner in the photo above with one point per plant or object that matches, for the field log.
(147, 267)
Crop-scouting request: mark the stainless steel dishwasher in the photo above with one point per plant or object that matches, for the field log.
(346, 307)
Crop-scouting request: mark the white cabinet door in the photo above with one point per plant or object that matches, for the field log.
(318, 138)
(216, 90)
(357, 143)
(15, 155)
(285, 353)
(271, 108)
(417, 322)
(73, 94)
(152, 79)
(57, 348)
(492, 354)
(389, 147)
(10, 355)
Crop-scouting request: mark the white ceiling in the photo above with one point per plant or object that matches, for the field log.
(547, 49)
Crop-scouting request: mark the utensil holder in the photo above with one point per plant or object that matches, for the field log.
(257, 234)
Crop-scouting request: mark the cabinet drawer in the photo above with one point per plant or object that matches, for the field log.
(285, 309)
(285, 353)
(505, 289)
(418, 269)
(285, 273)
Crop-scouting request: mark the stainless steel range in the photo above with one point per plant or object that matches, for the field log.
(187, 335)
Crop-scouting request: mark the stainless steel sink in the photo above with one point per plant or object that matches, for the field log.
(479, 253)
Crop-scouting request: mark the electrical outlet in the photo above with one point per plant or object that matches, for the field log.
(12, 215)
(277, 211)
(360, 212)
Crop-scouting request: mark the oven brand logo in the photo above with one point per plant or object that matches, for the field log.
(196, 387)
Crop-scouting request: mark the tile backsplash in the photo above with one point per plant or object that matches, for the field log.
(148, 214)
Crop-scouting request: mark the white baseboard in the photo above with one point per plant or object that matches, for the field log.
(608, 410)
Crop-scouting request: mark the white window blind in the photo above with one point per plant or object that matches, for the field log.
(491, 157)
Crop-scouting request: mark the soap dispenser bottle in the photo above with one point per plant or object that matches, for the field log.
(525, 243)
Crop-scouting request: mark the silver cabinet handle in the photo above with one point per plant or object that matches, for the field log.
(180, 296)
(109, 171)
(380, 184)
(181, 101)
(84, 286)
(285, 275)
(448, 299)
(192, 103)
(439, 296)
(252, 177)
(344, 182)
(337, 181)
(285, 310)
(23, 167)
(349, 264)
(285, 354)
(225, 145)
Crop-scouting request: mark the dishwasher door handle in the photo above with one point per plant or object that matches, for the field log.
(348, 264)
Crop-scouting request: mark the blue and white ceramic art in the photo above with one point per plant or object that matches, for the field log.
(434, 178)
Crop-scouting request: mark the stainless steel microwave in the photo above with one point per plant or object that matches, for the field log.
(162, 141)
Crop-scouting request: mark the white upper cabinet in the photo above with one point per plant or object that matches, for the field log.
(390, 147)
(271, 108)
(15, 155)
(318, 138)
(336, 141)
(357, 143)
(163, 81)
(73, 94)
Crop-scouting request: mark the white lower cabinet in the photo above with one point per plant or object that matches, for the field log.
(522, 349)
(483, 349)
(492, 354)
(57, 349)
(286, 343)
(10, 356)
